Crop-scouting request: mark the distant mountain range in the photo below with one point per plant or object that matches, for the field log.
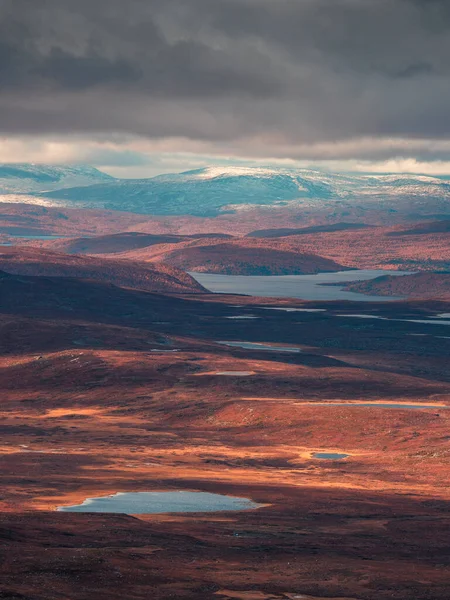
(30, 178)
(212, 191)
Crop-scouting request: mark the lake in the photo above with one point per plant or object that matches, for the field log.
(306, 287)
(146, 503)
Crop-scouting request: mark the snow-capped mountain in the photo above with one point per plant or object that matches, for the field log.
(215, 190)
(31, 178)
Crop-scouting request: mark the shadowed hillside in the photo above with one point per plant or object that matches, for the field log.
(124, 242)
(234, 259)
(144, 276)
(418, 285)
(285, 232)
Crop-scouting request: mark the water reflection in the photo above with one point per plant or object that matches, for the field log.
(135, 503)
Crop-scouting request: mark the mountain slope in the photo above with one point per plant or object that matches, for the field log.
(204, 192)
(23, 178)
(211, 191)
(148, 277)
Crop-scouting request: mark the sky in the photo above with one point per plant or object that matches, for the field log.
(141, 87)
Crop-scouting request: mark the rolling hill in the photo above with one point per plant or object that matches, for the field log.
(124, 242)
(417, 285)
(360, 248)
(236, 259)
(143, 276)
(207, 254)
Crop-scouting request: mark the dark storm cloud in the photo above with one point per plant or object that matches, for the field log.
(290, 72)
(70, 46)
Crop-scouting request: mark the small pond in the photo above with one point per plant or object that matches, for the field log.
(235, 373)
(141, 503)
(330, 456)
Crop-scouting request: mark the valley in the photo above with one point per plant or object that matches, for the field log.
(107, 389)
(258, 409)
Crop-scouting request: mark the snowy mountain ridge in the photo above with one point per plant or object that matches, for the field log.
(216, 190)
(16, 178)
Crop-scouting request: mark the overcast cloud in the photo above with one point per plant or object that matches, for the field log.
(364, 80)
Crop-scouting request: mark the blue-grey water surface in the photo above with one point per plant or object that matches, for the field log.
(330, 456)
(140, 503)
(235, 373)
(306, 287)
